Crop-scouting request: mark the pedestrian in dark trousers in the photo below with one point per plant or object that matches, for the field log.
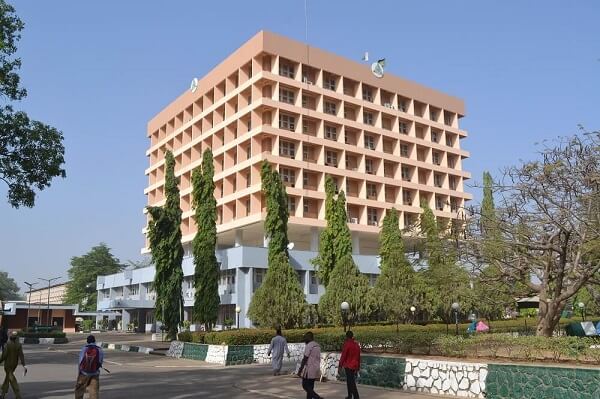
(13, 353)
(310, 368)
(350, 362)
(90, 363)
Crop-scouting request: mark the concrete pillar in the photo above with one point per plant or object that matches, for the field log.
(125, 319)
(355, 244)
(239, 234)
(314, 239)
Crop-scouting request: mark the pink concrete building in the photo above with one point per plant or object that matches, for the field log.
(387, 142)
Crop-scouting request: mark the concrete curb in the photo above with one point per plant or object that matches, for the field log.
(43, 341)
(126, 348)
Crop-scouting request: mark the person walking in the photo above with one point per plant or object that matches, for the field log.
(310, 368)
(11, 356)
(350, 362)
(277, 348)
(90, 363)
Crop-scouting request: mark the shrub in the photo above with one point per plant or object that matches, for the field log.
(451, 345)
(185, 336)
(51, 334)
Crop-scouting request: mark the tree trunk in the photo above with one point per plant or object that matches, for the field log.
(549, 317)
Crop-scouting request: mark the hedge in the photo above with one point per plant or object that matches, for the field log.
(51, 334)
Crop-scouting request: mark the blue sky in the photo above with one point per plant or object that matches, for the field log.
(99, 71)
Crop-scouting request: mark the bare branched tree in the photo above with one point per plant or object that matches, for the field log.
(548, 222)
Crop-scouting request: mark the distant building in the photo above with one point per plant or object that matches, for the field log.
(58, 293)
(386, 142)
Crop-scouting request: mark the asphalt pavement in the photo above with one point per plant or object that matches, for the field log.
(53, 370)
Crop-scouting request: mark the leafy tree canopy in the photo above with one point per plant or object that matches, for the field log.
(31, 152)
(83, 273)
(9, 290)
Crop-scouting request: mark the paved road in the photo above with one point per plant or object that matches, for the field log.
(52, 373)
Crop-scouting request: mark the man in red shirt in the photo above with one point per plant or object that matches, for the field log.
(350, 361)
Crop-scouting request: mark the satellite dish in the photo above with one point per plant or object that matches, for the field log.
(366, 56)
(194, 85)
(377, 68)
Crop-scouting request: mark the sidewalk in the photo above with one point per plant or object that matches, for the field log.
(290, 387)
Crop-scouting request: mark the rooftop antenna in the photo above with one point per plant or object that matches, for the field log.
(365, 56)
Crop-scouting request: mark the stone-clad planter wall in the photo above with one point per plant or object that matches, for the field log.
(464, 379)
(506, 381)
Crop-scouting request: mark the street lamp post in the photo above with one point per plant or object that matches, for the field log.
(456, 307)
(345, 306)
(582, 309)
(28, 303)
(49, 280)
(237, 312)
(413, 310)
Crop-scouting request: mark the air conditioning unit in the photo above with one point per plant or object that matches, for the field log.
(354, 220)
(388, 105)
(372, 222)
(305, 80)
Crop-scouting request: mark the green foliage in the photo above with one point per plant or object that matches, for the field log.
(277, 211)
(206, 268)
(164, 234)
(346, 284)
(586, 295)
(9, 290)
(31, 152)
(280, 300)
(87, 324)
(395, 290)
(48, 334)
(335, 240)
(448, 281)
(84, 272)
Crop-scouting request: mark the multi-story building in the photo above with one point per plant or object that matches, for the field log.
(55, 294)
(386, 142)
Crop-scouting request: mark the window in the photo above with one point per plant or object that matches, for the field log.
(369, 166)
(259, 275)
(403, 106)
(451, 162)
(247, 206)
(371, 191)
(331, 158)
(133, 289)
(248, 180)
(437, 180)
(329, 83)
(314, 283)
(286, 96)
(449, 141)
(287, 149)
(292, 205)
(403, 127)
(404, 150)
(330, 108)
(304, 180)
(372, 217)
(406, 197)
(331, 133)
(367, 94)
(248, 151)
(306, 206)
(436, 158)
(227, 278)
(435, 136)
(452, 182)
(368, 118)
(369, 142)
(453, 205)
(286, 70)
(405, 173)
(304, 102)
(439, 204)
(287, 122)
(288, 176)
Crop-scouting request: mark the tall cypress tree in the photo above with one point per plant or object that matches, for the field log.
(326, 259)
(280, 300)
(206, 268)
(164, 236)
(395, 290)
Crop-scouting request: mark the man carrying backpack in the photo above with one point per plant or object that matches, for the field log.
(90, 362)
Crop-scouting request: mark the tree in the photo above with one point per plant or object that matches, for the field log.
(9, 290)
(346, 284)
(277, 211)
(549, 224)
(164, 235)
(280, 300)
(85, 269)
(31, 152)
(395, 289)
(331, 248)
(206, 268)
(449, 281)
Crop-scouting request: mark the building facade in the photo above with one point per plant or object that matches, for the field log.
(58, 293)
(386, 142)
